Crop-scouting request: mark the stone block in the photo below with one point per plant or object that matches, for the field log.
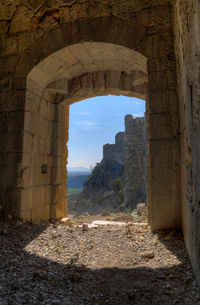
(36, 89)
(162, 80)
(165, 153)
(41, 145)
(24, 66)
(12, 100)
(26, 199)
(58, 147)
(155, 63)
(65, 15)
(58, 161)
(58, 192)
(32, 101)
(7, 10)
(41, 214)
(163, 101)
(59, 209)
(40, 178)
(21, 21)
(164, 210)
(168, 126)
(58, 130)
(28, 142)
(160, 177)
(25, 177)
(113, 79)
(9, 46)
(57, 175)
(81, 54)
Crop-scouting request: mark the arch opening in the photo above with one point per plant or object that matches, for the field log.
(117, 179)
(74, 73)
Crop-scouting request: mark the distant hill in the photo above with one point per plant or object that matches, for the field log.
(78, 169)
(76, 181)
(77, 172)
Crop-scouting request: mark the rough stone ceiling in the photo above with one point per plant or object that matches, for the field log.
(81, 58)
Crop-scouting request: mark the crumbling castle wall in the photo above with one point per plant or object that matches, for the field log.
(110, 167)
(135, 161)
(115, 152)
(126, 159)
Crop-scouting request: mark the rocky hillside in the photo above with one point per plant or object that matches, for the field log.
(76, 181)
(110, 168)
(118, 181)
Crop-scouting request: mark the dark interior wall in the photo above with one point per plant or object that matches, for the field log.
(187, 33)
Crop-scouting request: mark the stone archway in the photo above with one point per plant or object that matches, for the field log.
(167, 34)
(69, 75)
(163, 109)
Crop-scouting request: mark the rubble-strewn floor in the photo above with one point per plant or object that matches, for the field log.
(59, 264)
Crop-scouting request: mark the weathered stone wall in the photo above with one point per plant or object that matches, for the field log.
(135, 161)
(51, 40)
(187, 31)
(43, 173)
(166, 32)
(115, 152)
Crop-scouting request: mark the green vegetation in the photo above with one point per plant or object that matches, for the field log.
(72, 191)
(76, 181)
(117, 184)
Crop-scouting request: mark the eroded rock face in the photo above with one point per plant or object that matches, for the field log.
(110, 167)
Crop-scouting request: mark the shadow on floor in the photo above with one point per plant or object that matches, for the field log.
(29, 279)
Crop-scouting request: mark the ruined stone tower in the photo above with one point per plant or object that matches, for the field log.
(126, 159)
(115, 152)
(135, 161)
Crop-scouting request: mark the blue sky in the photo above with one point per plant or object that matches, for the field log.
(94, 122)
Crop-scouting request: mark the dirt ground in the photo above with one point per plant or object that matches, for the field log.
(81, 264)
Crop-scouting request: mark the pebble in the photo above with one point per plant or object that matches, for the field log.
(148, 254)
(76, 276)
(85, 227)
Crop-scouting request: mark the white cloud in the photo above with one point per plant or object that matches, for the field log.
(129, 102)
(138, 114)
(134, 102)
(138, 103)
(88, 125)
(82, 113)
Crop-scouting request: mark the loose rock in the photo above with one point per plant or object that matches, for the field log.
(148, 254)
(85, 227)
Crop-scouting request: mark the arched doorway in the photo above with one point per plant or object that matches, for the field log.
(117, 67)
